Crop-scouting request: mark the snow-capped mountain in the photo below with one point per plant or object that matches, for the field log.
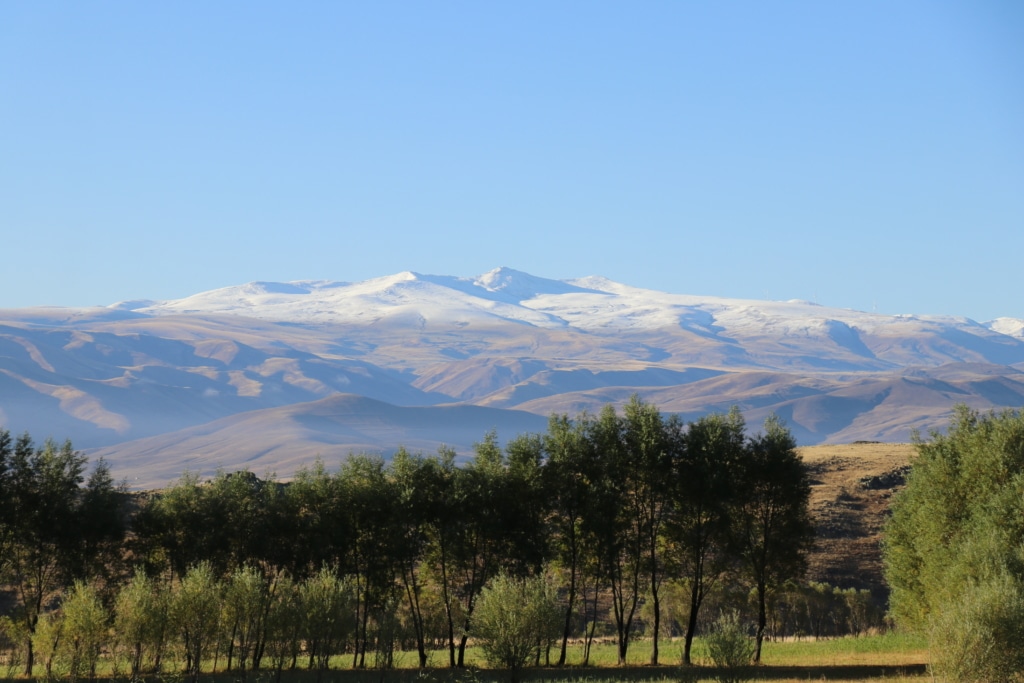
(587, 303)
(506, 340)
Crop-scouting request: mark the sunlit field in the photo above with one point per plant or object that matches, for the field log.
(888, 657)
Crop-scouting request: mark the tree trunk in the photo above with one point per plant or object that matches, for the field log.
(568, 612)
(366, 623)
(136, 661)
(762, 619)
(657, 619)
(591, 629)
(412, 592)
(231, 646)
(29, 657)
(691, 623)
(451, 635)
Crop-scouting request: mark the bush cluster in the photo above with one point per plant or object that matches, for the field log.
(954, 547)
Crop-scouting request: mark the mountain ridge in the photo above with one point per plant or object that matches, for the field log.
(506, 340)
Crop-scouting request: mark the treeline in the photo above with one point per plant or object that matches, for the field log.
(636, 517)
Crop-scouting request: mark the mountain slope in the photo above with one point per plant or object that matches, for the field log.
(504, 340)
(287, 438)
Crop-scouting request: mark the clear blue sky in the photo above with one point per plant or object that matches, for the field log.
(864, 154)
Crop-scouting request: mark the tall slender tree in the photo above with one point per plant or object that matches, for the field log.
(615, 524)
(479, 546)
(703, 489)
(569, 474)
(369, 508)
(196, 612)
(445, 528)
(772, 520)
(141, 615)
(648, 457)
(408, 475)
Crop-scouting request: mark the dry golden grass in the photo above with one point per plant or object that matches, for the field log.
(852, 486)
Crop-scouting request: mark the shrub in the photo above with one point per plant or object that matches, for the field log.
(84, 630)
(979, 639)
(513, 616)
(731, 648)
(141, 612)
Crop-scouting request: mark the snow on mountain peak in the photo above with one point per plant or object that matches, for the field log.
(520, 286)
(506, 294)
(1012, 327)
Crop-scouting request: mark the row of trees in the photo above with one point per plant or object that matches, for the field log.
(616, 506)
(241, 618)
(245, 624)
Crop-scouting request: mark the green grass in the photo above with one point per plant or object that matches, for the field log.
(888, 657)
(888, 648)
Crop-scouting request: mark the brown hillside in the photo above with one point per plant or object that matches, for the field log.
(852, 486)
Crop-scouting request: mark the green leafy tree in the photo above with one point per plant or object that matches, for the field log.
(320, 526)
(329, 607)
(57, 530)
(479, 546)
(84, 626)
(953, 546)
(246, 603)
(369, 510)
(103, 521)
(45, 642)
(6, 502)
(702, 495)
(615, 524)
(410, 479)
(569, 473)
(649, 442)
(772, 519)
(523, 507)
(284, 625)
(233, 520)
(141, 614)
(248, 530)
(195, 613)
(445, 527)
(174, 528)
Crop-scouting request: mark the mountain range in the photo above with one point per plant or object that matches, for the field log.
(269, 376)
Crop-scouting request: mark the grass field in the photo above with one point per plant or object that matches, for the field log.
(889, 657)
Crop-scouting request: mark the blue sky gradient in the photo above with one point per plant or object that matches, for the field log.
(864, 154)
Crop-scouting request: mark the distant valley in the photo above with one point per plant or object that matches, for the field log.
(268, 376)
